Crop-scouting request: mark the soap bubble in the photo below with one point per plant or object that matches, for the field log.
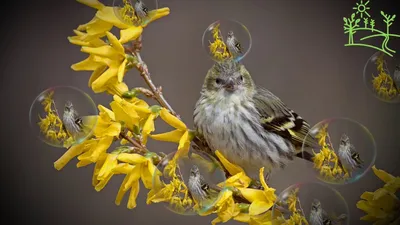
(216, 41)
(189, 167)
(382, 78)
(309, 200)
(47, 112)
(125, 11)
(353, 146)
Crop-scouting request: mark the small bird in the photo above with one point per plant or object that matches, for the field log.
(233, 45)
(249, 125)
(77, 127)
(141, 11)
(201, 192)
(348, 156)
(318, 215)
(396, 78)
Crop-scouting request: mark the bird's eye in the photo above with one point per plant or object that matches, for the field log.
(218, 80)
(241, 78)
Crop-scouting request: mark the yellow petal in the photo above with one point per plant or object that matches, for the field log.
(100, 82)
(140, 103)
(134, 176)
(98, 28)
(379, 193)
(257, 207)
(121, 70)
(171, 136)
(172, 120)
(367, 196)
(107, 14)
(184, 140)
(253, 194)
(83, 27)
(132, 33)
(132, 158)
(102, 51)
(156, 14)
(232, 168)
(369, 218)
(147, 174)
(78, 42)
(110, 62)
(139, 107)
(103, 182)
(107, 129)
(116, 88)
(124, 113)
(121, 191)
(92, 3)
(184, 146)
(115, 43)
(216, 221)
(123, 168)
(96, 74)
(148, 128)
(133, 195)
(110, 163)
(97, 168)
(366, 207)
(83, 163)
(262, 179)
(239, 180)
(384, 176)
(243, 217)
(106, 113)
(101, 147)
(73, 152)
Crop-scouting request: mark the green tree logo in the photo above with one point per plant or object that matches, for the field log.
(354, 24)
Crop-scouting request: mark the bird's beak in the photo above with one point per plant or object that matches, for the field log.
(230, 85)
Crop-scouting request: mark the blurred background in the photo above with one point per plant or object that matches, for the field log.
(297, 53)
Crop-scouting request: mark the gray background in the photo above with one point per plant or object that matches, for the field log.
(297, 53)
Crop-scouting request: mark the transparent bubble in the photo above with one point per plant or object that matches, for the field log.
(309, 200)
(226, 39)
(47, 114)
(346, 150)
(189, 169)
(382, 78)
(134, 12)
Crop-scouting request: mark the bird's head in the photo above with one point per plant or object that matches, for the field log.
(194, 171)
(68, 106)
(316, 206)
(344, 140)
(230, 33)
(227, 78)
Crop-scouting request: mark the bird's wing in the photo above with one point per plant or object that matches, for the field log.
(276, 117)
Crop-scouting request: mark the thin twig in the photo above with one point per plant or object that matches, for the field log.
(55, 109)
(146, 92)
(301, 209)
(144, 72)
(329, 141)
(141, 149)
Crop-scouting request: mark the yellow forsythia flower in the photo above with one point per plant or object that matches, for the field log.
(382, 206)
(225, 207)
(261, 200)
(181, 135)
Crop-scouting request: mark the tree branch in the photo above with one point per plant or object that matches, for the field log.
(144, 72)
(138, 147)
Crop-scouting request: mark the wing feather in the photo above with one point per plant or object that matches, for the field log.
(276, 117)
